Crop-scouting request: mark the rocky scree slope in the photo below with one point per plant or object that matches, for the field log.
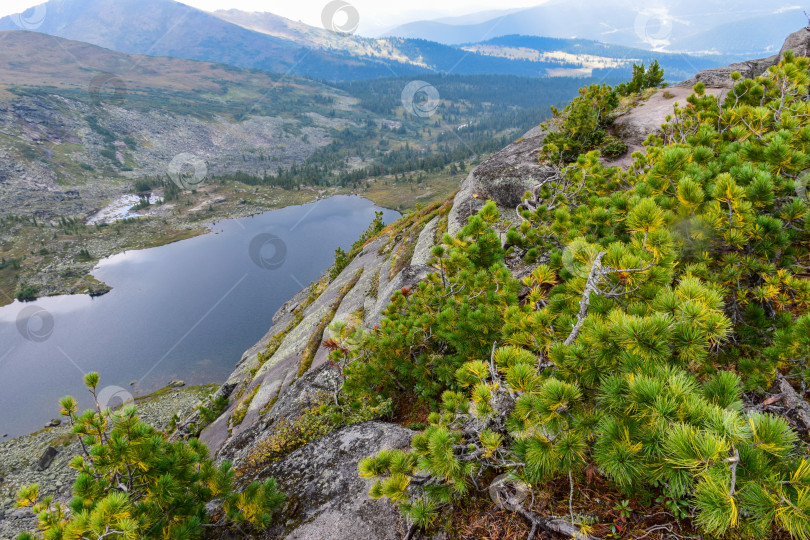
(47, 142)
(80, 122)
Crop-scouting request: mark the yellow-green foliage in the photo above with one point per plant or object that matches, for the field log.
(374, 288)
(408, 230)
(242, 408)
(133, 483)
(287, 435)
(667, 289)
(453, 316)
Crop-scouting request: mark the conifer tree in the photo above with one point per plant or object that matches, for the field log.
(134, 483)
(452, 317)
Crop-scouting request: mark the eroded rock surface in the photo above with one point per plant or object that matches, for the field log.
(637, 124)
(798, 42)
(503, 178)
(330, 499)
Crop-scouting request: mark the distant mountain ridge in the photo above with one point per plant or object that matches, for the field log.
(168, 28)
(741, 28)
(276, 44)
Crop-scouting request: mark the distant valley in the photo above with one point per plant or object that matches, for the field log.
(257, 111)
(82, 126)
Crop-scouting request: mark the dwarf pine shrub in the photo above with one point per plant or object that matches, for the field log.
(657, 294)
(134, 483)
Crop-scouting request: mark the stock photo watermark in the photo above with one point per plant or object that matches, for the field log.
(113, 397)
(340, 17)
(268, 251)
(31, 18)
(575, 258)
(654, 28)
(507, 492)
(801, 187)
(35, 323)
(107, 86)
(188, 171)
(420, 98)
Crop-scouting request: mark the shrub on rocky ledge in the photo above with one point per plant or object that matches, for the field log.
(134, 483)
(666, 290)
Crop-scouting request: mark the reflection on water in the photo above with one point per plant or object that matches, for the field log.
(186, 310)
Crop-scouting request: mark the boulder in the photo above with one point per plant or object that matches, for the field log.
(503, 178)
(326, 497)
(46, 458)
(508, 174)
(294, 400)
(721, 77)
(798, 42)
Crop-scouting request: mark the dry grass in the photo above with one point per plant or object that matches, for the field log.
(595, 502)
(8, 285)
(410, 411)
(482, 520)
(400, 195)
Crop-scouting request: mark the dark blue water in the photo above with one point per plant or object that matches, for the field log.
(186, 310)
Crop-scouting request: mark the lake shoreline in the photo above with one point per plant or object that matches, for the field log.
(158, 226)
(216, 290)
(52, 262)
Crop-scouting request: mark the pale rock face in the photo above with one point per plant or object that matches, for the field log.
(798, 42)
(721, 77)
(334, 499)
(504, 178)
(326, 497)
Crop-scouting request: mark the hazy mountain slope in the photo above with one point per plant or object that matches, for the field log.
(305, 35)
(157, 27)
(474, 60)
(167, 28)
(561, 56)
(30, 58)
(65, 119)
(745, 38)
(634, 23)
(271, 43)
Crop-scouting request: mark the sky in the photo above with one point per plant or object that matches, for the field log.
(375, 15)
